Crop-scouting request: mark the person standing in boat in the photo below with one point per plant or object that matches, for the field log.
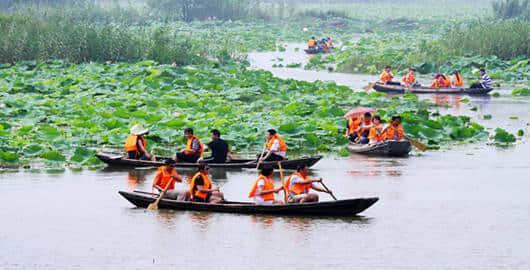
(167, 174)
(219, 147)
(276, 148)
(299, 184)
(364, 128)
(394, 131)
(409, 79)
(386, 76)
(262, 191)
(136, 144)
(193, 150)
(456, 79)
(201, 188)
(376, 132)
(485, 83)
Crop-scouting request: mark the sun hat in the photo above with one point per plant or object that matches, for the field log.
(139, 130)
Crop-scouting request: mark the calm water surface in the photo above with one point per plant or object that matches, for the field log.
(463, 208)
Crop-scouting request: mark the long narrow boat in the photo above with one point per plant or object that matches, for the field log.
(329, 208)
(387, 148)
(390, 88)
(117, 159)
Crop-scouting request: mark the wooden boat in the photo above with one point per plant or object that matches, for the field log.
(313, 51)
(391, 88)
(349, 207)
(117, 159)
(387, 148)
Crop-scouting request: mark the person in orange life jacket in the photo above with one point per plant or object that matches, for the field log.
(394, 131)
(456, 80)
(201, 188)
(136, 145)
(165, 174)
(376, 132)
(193, 150)
(299, 184)
(363, 131)
(262, 191)
(276, 149)
(351, 126)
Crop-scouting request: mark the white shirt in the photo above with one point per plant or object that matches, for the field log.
(275, 148)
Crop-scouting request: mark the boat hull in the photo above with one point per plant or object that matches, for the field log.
(387, 148)
(116, 159)
(379, 87)
(349, 207)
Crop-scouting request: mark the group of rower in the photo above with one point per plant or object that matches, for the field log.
(200, 188)
(439, 80)
(136, 147)
(370, 130)
(325, 44)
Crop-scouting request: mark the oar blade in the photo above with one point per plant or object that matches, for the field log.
(153, 206)
(422, 147)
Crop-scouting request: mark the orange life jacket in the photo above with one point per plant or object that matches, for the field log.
(458, 80)
(409, 78)
(207, 184)
(269, 186)
(444, 81)
(374, 134)
(163, 177)
(189, 145)
(283, 146)
(311, 43)
(386, 77)
(297, 188)
(131, 143)
(391, 130)
(353, 124)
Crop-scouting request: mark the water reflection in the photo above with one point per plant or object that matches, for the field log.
(201, 220)
(136, 177)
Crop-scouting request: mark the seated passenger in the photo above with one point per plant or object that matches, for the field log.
(363, 131)
(201, 189)
(394, 131)
(164, 175)
(386, 76)
(409, 79)
(312, 43)
(193, 150)
(351, 127)
(276, 149)
(299, 184)
(219, 147)
(376, 132)
(263, 190)
(440, 81)
(136, 145)
(456, 80)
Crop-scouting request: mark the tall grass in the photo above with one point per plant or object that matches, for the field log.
(509, 9)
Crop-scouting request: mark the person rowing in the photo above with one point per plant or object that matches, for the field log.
(201, 188)
(168, 175)
(299, 184)
(394, 131)
(193, 150)
(275, 148)
(219, 147)
(262, 191)
(485, 83)
(136, 144)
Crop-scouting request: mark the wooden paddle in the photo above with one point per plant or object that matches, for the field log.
(369, 86)
(283, 183)
(154, 206)
(261, 156)
(327, 189)
(422, 147)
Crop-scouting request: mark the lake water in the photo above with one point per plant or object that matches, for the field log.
(462, 208)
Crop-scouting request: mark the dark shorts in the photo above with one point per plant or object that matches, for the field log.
(476, 86)
(187, 158)
(136, 155)
(197, 199)
(272, 157)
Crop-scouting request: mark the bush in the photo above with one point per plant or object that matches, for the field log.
(509, 9)
(189, 10)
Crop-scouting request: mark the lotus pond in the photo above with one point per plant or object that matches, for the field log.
(58, 114)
